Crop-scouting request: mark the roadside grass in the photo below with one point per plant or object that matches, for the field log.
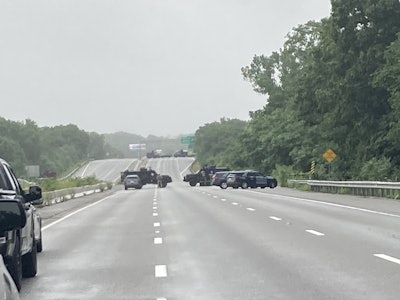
(53, 184)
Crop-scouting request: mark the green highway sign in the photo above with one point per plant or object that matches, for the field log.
(187, 139)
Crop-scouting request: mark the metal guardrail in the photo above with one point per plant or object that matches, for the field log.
(361, 188)
(53, 197)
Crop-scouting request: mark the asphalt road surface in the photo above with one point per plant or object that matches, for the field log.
(205, 243)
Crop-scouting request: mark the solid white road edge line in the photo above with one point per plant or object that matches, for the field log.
(388, 258)
(332, 204)
(74, 213)
(181, 174)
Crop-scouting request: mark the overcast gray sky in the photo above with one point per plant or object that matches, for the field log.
(162, 67)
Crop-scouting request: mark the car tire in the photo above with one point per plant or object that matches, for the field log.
(39, 243)
(15, 264)
(29, 262)
(244, 185)
(192, 183)
(272, 185)
(223, 185)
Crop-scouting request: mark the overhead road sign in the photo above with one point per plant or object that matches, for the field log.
(137, 146)
(187, 139)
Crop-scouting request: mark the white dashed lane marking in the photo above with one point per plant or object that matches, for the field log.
(156, 224)
(275, 218)
(158, 241)
(315, 232)
(250, 209)
(160, 271)
(388, 258)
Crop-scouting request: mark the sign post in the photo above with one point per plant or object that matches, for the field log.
(329, 156)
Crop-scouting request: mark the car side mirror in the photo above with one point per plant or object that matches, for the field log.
(12, 215)
(35, 195)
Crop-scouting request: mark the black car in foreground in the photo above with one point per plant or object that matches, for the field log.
(20, 225)
(250, 178)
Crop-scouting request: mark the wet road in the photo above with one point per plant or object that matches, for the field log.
(182, 242)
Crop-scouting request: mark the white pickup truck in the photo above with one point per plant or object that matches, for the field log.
(19, 246)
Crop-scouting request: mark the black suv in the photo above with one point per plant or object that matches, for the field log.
(219, 179)
(252, 179)
(19, 244)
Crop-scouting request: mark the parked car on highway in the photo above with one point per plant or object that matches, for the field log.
(8, 289)
(133, 181)
(232, 179)
(19, 244)
(219, 179)
(203, 176)
(252, 179)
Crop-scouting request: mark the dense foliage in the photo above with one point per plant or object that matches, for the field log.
(56, 149)
(333, 85)
(217, 143)
(60, 149)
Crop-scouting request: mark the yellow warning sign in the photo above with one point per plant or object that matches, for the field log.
(329, 155)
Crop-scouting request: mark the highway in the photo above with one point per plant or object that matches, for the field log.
(183, 242)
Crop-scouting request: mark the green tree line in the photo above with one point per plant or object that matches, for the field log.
(334, 84)
(56, 149)
(62, 148)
